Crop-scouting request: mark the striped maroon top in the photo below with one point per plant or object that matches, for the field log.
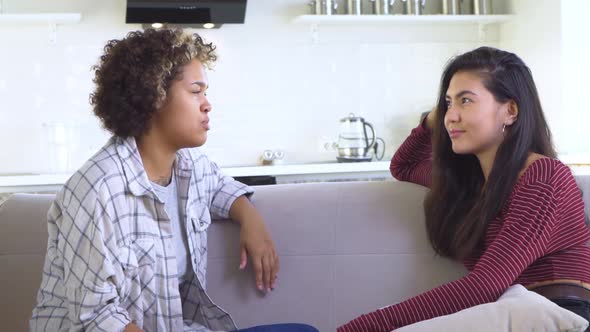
(539, 235)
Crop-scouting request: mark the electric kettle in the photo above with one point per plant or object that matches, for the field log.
(354, 144)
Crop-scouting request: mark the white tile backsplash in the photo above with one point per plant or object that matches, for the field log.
(273, 87)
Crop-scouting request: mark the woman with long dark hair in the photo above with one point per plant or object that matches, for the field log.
(499, 200)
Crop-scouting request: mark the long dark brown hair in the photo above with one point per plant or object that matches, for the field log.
(461, 203)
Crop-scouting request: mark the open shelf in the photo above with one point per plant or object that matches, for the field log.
(479, 22)
(402, 19)
(40, 18)
(52, 20)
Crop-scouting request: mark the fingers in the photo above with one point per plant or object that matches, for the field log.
(268, 267)
(274, 269)
(257, 262)
(265, 263)
(243, 258)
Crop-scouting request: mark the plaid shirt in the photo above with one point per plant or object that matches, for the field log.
(110, 255)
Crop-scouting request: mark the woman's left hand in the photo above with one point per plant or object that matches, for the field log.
(255, 241)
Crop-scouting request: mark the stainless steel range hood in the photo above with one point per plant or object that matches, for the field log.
(191, 13)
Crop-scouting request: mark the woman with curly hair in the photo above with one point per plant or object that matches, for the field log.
(127, 247)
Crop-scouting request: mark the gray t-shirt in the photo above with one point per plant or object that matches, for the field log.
(169, 195)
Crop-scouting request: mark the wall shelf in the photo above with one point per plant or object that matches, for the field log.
(50, 19)
(402, 19)
(479, 21)
(40, 18)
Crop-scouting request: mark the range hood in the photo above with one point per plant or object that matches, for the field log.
(191, 13)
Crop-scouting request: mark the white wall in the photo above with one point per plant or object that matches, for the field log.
(535, 35)
(575, 111)
(272, 88)
(552, 38)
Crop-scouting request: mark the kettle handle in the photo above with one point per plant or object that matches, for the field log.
(367, 138)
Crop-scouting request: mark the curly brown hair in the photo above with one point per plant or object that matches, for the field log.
(135, 73)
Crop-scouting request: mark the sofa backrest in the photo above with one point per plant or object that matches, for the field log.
(345, 249)
(23, 242)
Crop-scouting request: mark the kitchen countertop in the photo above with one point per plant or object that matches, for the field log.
(311, 168)
(45, 182)
(50, 182)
